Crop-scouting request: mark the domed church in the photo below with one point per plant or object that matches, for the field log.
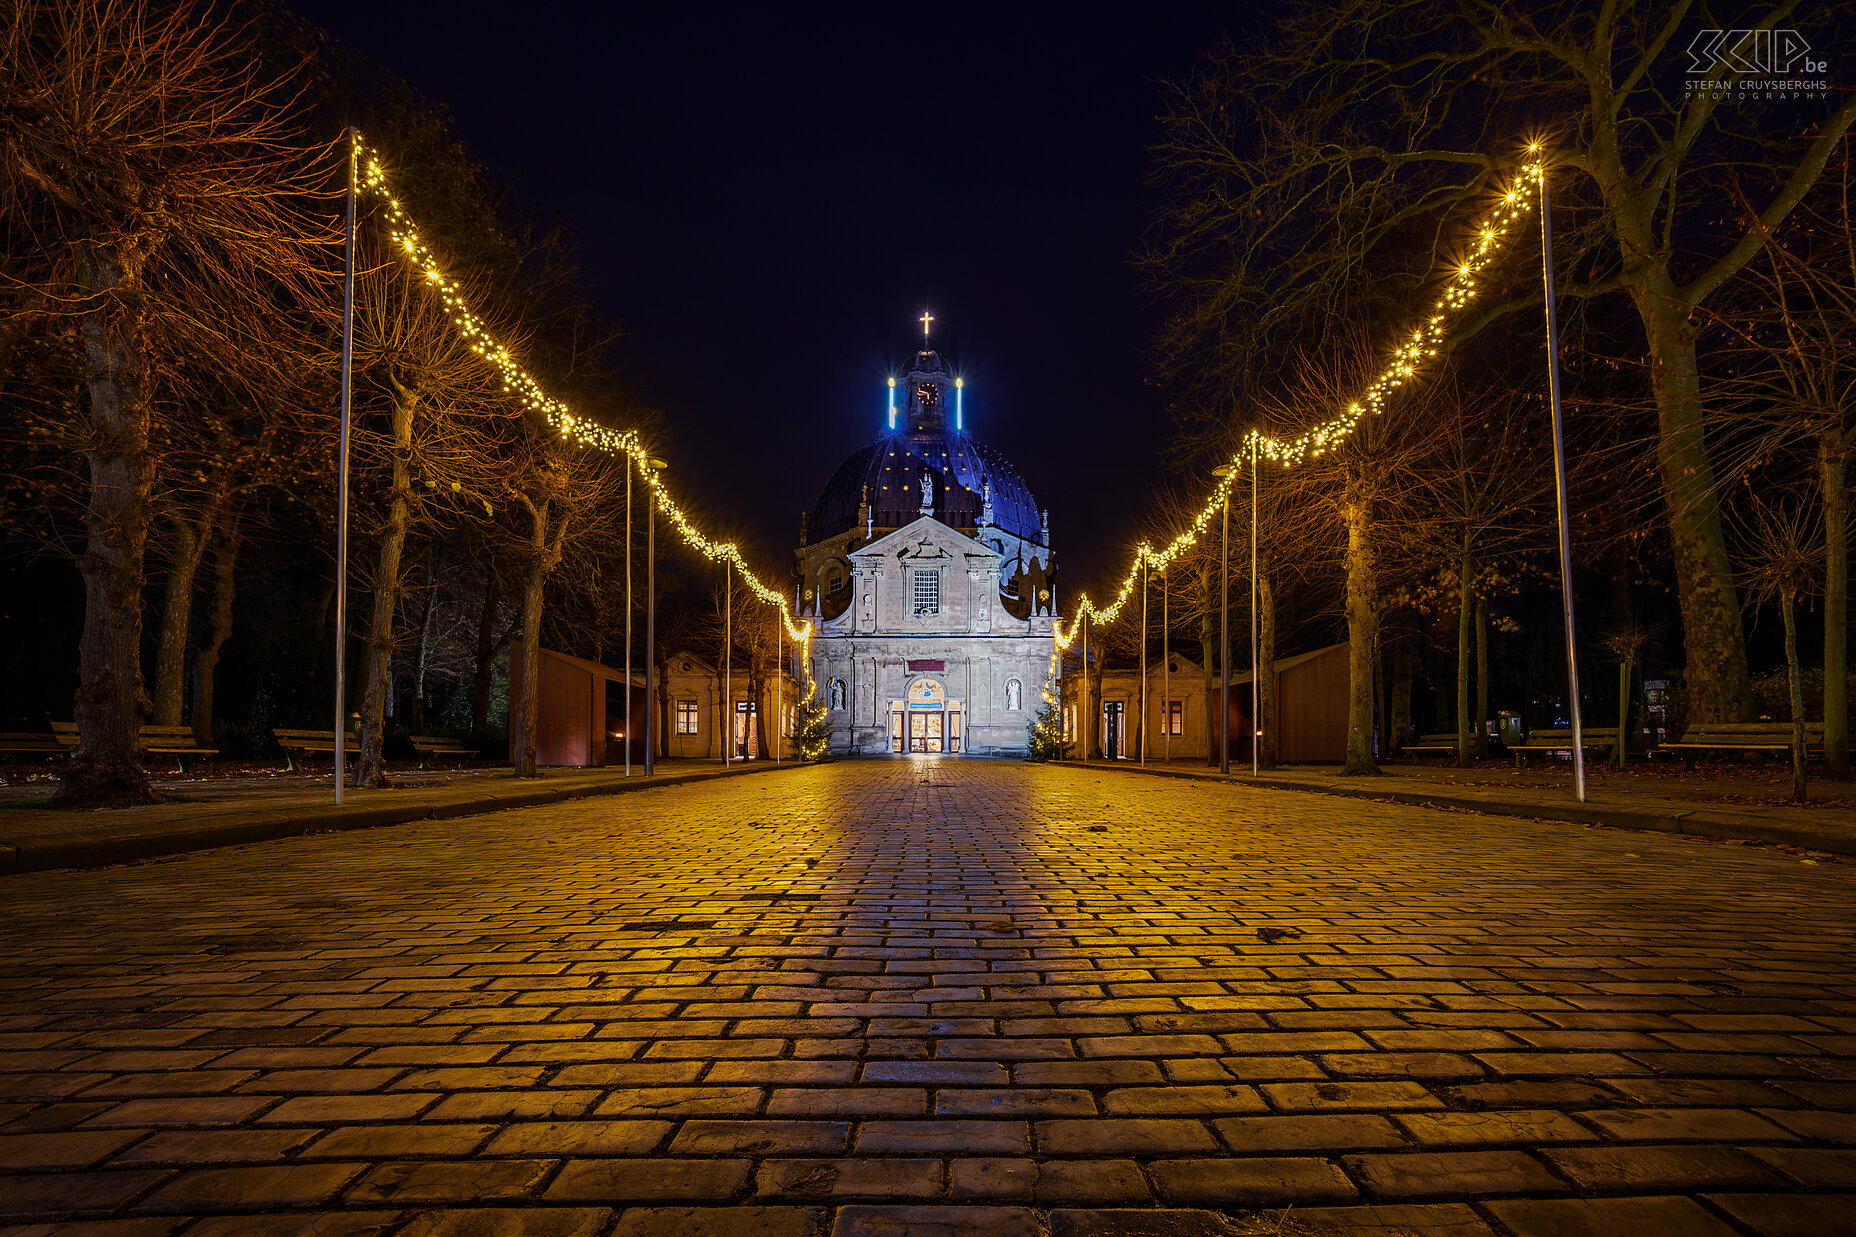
(925, 568)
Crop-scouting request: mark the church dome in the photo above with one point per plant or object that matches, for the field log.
(888, 474)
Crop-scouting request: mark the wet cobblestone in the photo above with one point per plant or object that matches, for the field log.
(956, 997)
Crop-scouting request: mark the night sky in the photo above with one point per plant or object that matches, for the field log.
(769, 197)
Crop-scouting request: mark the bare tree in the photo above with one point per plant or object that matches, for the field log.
(1326, 162)
(142, 160)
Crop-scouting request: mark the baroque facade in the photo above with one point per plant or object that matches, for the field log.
(925, 568)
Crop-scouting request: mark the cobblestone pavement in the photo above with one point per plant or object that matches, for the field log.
(938, 998)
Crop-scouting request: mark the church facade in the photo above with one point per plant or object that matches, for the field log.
(925, 569)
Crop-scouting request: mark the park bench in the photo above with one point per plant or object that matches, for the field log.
(430, 745)
(1744, 737)
(30, 741)
(299, 743)
(1433, 744)
(175, 741)
(1592, 738)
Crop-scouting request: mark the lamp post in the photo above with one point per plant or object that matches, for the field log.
(1166, 677)
(341, 498)
(728, 653)
(628, 616)
(1225, 471)
(1559, 484)
(1085, 724)
(1146, 705)
(650, 624)
(1256, 671)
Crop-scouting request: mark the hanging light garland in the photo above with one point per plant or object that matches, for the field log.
(1406, 361)
(530, 395)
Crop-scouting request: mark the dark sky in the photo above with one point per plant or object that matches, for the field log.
(769, 196)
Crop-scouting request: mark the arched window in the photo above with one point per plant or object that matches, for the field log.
(1014, 695)
(837, 693)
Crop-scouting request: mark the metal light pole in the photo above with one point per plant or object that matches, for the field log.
(341, 499)
(1224, 627)
(628, 614)
(1085, 723)
(1146, 705)
(1256, 671)
(1559, 485)
(650, 624)
(779, 693)
(728, 653)
(1166, 676)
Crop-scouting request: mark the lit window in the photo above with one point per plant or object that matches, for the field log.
(928, 592)
(686, 717)
(1176, 717)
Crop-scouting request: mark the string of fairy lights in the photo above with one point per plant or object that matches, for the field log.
(1405, 363)
(530, 395)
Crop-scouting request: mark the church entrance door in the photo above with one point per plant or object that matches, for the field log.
(926, 730)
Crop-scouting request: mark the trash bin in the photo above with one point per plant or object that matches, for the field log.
(1508, 728)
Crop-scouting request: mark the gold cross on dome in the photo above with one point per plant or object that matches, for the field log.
(926, 319)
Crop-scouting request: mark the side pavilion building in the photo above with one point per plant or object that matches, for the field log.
(925, 568)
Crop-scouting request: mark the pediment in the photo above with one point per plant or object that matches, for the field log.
(929, 540)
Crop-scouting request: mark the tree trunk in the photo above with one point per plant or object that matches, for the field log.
(225, 580)
(524, 704)
(1719, 687)
(1622, 746)
(189, 543)
(111, 703)
(1832, 466)
(1266, 671)
(370, 763)
(1362, 634)
(488, 645)
(422, 655)
(1795, 683)
(1482, 677)
(1402, 653)
(1465, 617)
(1208, 656)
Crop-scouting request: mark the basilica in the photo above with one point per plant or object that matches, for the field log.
(925, 569)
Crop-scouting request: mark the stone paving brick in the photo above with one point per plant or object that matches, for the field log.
(965, 963)
(1790, 1215)
(935, 1221)
(1107, 1136)
(1662, 1170)
(311, 1224)
(1817, 1167)
(698, 1138)
(27, 1195)
(1608, 1217)
(509, 1222)
(721, 1222)
(616, 1181)
(281, 1186)
(449, 1181)
(1686, 1125)
(1465, 1129)
(66, 1149)
(1254, 1181)
(195, 1147)
(858, 1178)
(1451, 1174)
(433, 1138)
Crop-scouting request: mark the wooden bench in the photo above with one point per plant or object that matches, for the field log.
(30, 741)
(1542, 741)
(299, 743)
(175, 741)
(1440, 744)
(1745, 737)
(430, 745)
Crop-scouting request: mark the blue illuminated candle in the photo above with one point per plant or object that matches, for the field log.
(960, 389)
(892, 405)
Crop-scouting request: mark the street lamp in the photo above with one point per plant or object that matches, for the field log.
(1226, 472)
(628, 620)
(650, 628)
